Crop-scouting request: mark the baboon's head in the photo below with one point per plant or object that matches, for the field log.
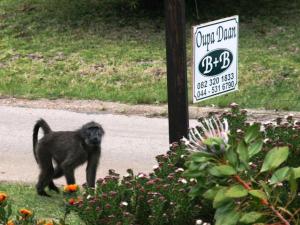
(92, 133)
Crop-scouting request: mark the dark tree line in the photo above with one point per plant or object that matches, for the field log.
(195, 9)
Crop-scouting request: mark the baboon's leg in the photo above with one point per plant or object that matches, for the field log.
(45, 176)
(68, 170)
(58, 172)
(44, 179)
(53, 187)
(69, 173)
(91, 169)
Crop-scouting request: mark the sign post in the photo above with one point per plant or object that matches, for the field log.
(176, 69)
(215, 58)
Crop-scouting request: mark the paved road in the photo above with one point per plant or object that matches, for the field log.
(130, 141)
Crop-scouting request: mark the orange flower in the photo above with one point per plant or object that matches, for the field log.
(45, 222)
(49, 223)
(3, 197)
(71, 188)
(25, 212)
(10, 222)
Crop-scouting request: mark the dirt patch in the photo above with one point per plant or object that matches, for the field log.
(96, 106)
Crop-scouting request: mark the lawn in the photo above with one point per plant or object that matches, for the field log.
(48, 52)
(24, 196)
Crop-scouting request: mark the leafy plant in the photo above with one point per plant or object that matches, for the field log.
(5, 208)
(24, 216)
(245, 180)
(157, 198)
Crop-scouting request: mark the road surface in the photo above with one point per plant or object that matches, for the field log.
(129, 142)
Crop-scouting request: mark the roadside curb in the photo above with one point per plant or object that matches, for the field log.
(97, 106)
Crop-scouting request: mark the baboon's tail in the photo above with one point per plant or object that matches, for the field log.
(44, 125)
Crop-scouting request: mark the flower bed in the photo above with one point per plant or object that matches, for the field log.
(226, 172)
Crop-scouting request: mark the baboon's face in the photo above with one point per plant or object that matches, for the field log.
(93, 136)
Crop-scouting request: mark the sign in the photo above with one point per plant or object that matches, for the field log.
(215, 58)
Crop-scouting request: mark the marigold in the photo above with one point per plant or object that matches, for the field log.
(71, 188)
(25, 212)
(3, 197)
(10, 222)
(45, 222)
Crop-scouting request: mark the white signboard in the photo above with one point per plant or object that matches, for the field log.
(215, 58)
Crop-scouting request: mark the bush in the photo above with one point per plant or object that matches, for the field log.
(158, 198)
(250, 175)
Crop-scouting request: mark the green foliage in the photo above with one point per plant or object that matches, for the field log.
(106, 50)
(20, 196)
(274, 158)
(5, 208)
(252, 181)
(160, 198)
(23, 216)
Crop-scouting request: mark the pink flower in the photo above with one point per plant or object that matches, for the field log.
(210, 129)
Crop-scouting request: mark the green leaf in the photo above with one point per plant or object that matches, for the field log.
(296, 172)
(201, 159)
(211, 193)
(267, 188)
(201, 154)
(226, 215)
(236, 191)
(274, 158)
(223, 170)
(9, 210)
(195, 191)
(232, 157)
(220, 198)
(193, 174)
(213, 141)
(191, 165)
(251, 217)
(243, 153)
(280, 175)
(252, 133)
(293, 184)
(255, 148)
(258, 194)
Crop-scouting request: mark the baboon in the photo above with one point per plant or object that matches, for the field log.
(68, 150)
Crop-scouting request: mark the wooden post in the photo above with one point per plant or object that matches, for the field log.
(176, 69)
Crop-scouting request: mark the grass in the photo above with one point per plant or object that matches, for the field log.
(46, 52)
(24, 196)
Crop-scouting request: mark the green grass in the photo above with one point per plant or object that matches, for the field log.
(24, 196)
(50, 53)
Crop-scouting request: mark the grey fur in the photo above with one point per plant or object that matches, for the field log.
(68, 149)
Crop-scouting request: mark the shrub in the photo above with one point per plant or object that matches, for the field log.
(157, 198)
(249, 176)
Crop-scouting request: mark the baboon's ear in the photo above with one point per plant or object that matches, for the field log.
(84, 132)
(101, 130)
